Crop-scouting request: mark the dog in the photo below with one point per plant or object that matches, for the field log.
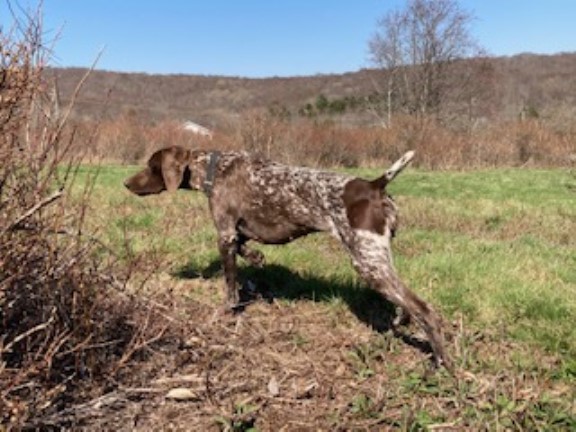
(253, 198)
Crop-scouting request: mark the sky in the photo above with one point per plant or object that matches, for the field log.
(265, 38)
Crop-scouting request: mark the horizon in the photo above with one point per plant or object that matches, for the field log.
(287, 77)
(256, 39)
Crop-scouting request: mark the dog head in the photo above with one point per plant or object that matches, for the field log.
(167, 170)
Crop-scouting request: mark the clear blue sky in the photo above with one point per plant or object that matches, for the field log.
(262, 38)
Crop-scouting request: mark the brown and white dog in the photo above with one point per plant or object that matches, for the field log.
(252, 198)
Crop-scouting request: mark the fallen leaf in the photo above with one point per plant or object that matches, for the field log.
(181, 394)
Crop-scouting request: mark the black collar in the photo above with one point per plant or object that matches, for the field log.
(210, 173)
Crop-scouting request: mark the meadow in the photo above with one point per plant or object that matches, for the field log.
(494, 250)
(110, 304)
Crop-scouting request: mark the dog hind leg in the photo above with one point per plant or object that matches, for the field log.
(253, 256)
(372, 259)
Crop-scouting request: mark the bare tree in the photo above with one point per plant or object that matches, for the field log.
(416, 46)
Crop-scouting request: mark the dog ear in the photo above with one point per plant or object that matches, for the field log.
(172, 169)
(394, 170)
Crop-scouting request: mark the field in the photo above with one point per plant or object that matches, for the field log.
(110, 304)
(493, 250)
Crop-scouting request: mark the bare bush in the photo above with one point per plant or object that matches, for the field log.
(63, 333)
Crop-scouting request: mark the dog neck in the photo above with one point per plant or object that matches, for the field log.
(203, 169)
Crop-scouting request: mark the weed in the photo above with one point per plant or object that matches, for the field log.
(241, 420)
(362, 405)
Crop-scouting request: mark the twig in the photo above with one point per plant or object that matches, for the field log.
(39, 205)
(93, 408)
(194, 378)
(443, 426)
(76, 92)
(29, 332)
(142, 390)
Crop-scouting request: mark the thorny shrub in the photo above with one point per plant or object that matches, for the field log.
(64, 331)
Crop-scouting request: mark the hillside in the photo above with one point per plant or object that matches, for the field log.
(546, 85)
(207, 99)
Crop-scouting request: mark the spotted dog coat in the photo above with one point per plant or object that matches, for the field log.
(252, 198)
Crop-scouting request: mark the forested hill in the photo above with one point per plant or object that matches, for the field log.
(543, 85)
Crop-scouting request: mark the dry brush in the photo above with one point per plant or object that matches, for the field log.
(67, 326)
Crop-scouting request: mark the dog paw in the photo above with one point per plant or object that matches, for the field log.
(401, 319)
(253, 256)
(256, 258)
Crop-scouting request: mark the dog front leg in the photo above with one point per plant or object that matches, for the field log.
(228, 247)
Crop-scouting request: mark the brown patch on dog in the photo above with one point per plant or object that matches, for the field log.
(367, 205)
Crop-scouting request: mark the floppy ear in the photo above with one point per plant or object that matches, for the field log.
(172, 170)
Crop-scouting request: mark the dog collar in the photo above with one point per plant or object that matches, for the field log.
(210, 173)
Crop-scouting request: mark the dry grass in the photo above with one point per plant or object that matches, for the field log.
(305, 366)
(317, 142)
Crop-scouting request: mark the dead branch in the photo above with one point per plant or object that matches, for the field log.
(35, 329)
(91, 409)
(35, 208)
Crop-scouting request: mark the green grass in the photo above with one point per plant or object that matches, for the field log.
(498, 246)
(493, 250)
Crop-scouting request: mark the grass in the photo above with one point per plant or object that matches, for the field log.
(493, 250)
(498, 245)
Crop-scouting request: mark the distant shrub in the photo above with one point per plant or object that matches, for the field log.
(324, 141)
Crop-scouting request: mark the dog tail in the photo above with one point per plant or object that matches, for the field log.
(394, 170)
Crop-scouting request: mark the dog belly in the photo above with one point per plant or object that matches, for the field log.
(273, 230)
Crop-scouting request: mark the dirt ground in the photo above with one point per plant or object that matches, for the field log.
(300, 365)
